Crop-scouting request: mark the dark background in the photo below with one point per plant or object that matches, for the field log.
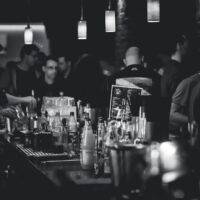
(60, 18)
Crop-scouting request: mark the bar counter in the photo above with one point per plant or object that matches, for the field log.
(31, 176)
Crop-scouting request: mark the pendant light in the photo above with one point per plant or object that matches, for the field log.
(153, 11)
(28, 33)
(82, 26)
(110, 19)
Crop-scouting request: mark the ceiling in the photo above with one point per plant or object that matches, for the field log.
(60, 18)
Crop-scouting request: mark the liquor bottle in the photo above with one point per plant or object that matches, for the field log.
(57, 128)
(88, 147)
(73, 136)
(129, 136)
(100, 135)
(65, 135)
(110, 140)
(88, 110)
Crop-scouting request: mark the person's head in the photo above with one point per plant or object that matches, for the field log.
(181, 45)
(50, 69)
(64, 64)
(133, 55)
(29, 54)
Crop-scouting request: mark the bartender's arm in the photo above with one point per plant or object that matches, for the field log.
(13, 100)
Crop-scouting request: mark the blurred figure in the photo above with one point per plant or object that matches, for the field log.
(88, 81)
(184, 106)
(47, 85)
(149, 81)
(40, 63)
(134, 69)
(65, 75)
(174, 71)
(19, 77)
(64, 66)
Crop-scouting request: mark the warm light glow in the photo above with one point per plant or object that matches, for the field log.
(28, 35)
(82, 30)
(110, 21)
(153, 11)
(169, 156)
(21, 27)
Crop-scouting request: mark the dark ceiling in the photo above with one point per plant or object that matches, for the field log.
(60, 18)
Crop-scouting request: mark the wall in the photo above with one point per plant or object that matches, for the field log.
(12, 38)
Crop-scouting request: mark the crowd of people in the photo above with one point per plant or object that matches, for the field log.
(173, 89)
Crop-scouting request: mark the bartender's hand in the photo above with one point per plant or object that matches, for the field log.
(31, 101)
(9, 112)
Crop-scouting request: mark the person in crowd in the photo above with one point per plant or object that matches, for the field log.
(149, 81)
(40, 63)
(19, 77)
(194, 101)
(182, 105)
(143, 77)
(65, 75)
(174, 72)
(88, 81)
(47, 85)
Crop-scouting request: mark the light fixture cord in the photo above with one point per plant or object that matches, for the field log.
(28, 13)
(81, 9)
(109, 5)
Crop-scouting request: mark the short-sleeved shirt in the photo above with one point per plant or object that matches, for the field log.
(183, 92)
(173, 75)
(194, 104)
(26, 82)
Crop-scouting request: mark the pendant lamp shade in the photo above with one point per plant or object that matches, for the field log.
(28, 35)
(82, 26)
(153, 11)
(110, 21)
(82, 30)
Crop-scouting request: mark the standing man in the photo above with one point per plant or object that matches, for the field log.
(19, 77)
(174, 73)
(65, 75)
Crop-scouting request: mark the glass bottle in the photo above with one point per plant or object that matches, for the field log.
(57, 128)
(65, 135)
(87, 147)
(73, 137)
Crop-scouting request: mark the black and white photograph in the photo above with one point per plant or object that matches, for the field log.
(100, 99)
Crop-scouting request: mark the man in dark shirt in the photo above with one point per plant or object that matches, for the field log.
(47, 85)
(19, 78)
(137, 74)
(65, 75)
(174, 73)
(149, 81)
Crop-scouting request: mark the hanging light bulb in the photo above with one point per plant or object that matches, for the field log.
(110, 19)
(82, 26)
(28, 35)
(82, 30)
(153, 11)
